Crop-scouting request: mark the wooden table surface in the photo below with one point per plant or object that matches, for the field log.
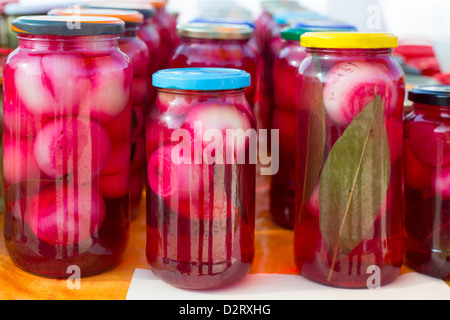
(274, 255)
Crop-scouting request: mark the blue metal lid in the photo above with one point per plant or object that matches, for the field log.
(287, 17)
(324, 25)
(224, 20)
(202, 79)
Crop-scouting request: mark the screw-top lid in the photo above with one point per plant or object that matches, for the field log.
(223, 20)
(324, 25)
(130, 17)
(349, 40)
(219, 31)
(68, 25)
(202, 79)
(144, 8)
(295, 33)
(437, 95)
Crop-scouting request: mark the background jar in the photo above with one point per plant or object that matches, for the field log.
(427, 188)
(137, 51)
(66, 178)
(216, 45)
(285, 69)
(349, 160)
(146, 32)
(200, 208)
(166, 25)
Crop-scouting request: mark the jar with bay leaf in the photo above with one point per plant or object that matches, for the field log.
(348, 228)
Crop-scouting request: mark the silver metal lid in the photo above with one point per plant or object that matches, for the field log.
(219, 31)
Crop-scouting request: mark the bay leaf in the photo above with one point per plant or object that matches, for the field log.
(354, 182)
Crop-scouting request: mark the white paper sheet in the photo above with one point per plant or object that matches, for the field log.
(412, 286)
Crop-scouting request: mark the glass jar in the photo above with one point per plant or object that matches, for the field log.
(348, 228)
(137, 51)
(146, 32)
(66, 161)
(218, 46)
(200, 197)
(427, 186)
(252, 43)
(285, 69)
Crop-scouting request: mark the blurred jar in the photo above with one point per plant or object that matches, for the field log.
(146, 32)
(220, 20)
(265, 29)
(218, 46)
(15, 10)
(427, 181)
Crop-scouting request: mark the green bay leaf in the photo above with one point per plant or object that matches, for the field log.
(354, 182)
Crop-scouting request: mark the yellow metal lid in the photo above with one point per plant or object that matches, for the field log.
(349, 40)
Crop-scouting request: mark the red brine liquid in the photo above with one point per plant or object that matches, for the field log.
(200, 215)
(138, 53)
(427, 186)
(67, 165)
(282, 190)
(344, 93)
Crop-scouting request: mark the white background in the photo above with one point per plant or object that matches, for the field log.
(406, 18)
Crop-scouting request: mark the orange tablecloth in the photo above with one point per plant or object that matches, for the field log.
(274, 254)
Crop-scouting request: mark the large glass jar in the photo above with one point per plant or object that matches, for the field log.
(66, 160)
(427, 182)
(349, 223)
(285, 69)
(137, 51)
(146, 32)
(216, 45)
(200, 191)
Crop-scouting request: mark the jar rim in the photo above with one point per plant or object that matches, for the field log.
(130, 17)
(218, 31)
(201, 79)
